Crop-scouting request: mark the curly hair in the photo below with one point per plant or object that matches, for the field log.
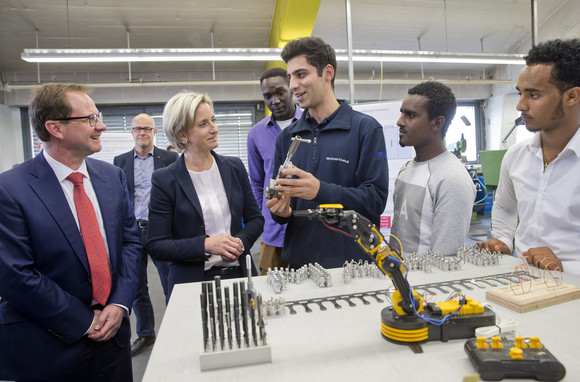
(564, 55)
(318, 53)
(440, 101)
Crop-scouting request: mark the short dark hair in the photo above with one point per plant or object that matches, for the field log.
(318, 53)
(275, 72)
(49, 102)
(440, 101)
(564, 55)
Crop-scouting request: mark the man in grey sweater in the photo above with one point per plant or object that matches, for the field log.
(434, 193)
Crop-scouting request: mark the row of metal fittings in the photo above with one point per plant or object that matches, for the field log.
(353, 269)
(274, 306)
(479, 256)
(471, 254)
(433, 260)
(278, 278)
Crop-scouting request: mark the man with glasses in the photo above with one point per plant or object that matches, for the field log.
(139, 165)
(69, 251)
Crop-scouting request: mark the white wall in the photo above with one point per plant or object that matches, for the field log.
(500, 109)
(500, 116)
(11, 151)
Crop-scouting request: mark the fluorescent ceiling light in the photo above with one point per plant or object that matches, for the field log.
(429, 56)
(149, 55)
(257, 54)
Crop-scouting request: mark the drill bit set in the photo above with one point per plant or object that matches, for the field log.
(234, 331)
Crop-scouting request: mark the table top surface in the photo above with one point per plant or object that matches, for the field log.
(346, 343)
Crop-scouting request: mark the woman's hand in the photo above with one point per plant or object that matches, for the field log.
(226, 246)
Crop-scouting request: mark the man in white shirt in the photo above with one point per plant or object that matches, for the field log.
(539, 183)
(434, 193)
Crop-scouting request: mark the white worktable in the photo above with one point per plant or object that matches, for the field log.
(346, 344)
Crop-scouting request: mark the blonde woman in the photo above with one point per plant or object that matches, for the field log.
(203, 216)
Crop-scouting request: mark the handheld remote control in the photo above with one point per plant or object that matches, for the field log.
(497, 358)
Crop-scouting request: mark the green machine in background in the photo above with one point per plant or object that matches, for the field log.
(490, 166)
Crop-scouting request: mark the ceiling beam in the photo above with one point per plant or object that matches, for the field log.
(292, 19)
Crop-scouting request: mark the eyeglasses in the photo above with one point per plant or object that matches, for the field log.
(92, 118)
(140, 129)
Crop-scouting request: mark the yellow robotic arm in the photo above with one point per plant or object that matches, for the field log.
(409, 320)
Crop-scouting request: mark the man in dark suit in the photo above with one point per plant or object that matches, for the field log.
(139, 165)
(65, 299)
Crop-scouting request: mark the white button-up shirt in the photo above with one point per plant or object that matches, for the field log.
(547, 203)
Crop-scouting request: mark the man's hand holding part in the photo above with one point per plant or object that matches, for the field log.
(302, 184)
(280, 207)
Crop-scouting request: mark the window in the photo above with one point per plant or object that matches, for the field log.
(234, 122)
(467, 124)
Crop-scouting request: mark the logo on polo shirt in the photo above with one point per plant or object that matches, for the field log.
(338, 159)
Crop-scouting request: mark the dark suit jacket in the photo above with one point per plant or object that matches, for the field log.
(161, 158)
(176, 226)
(44, 272)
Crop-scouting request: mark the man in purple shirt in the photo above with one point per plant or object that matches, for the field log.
(261, 145)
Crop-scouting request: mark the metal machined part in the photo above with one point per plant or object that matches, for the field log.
(306, 307)
(204, 318)
(348, 300)
(362, 298)
(433, 259)
(271, 192)
(228, 317)
(291, 307)
(319, 302)
(445, 287)
(279, 278)
(220, 313)
(212, 320)
(375, 296)
(237, 314)
(335, 303)
(479, 256)
(261, 323)
(352, 269)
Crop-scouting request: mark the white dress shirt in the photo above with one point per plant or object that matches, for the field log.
(62, 172)
(215, 207)
(547, 203)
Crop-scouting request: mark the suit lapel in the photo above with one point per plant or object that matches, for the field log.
(49, 191)
(129, 168)
(157, 160)
(184, 181)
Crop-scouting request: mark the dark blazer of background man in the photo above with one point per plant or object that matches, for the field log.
(143, 131)
(50, 327)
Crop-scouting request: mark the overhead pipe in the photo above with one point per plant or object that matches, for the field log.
(534, 22)
(10, 87)
(349, 48)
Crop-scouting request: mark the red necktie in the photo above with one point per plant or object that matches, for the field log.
(94, 244)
